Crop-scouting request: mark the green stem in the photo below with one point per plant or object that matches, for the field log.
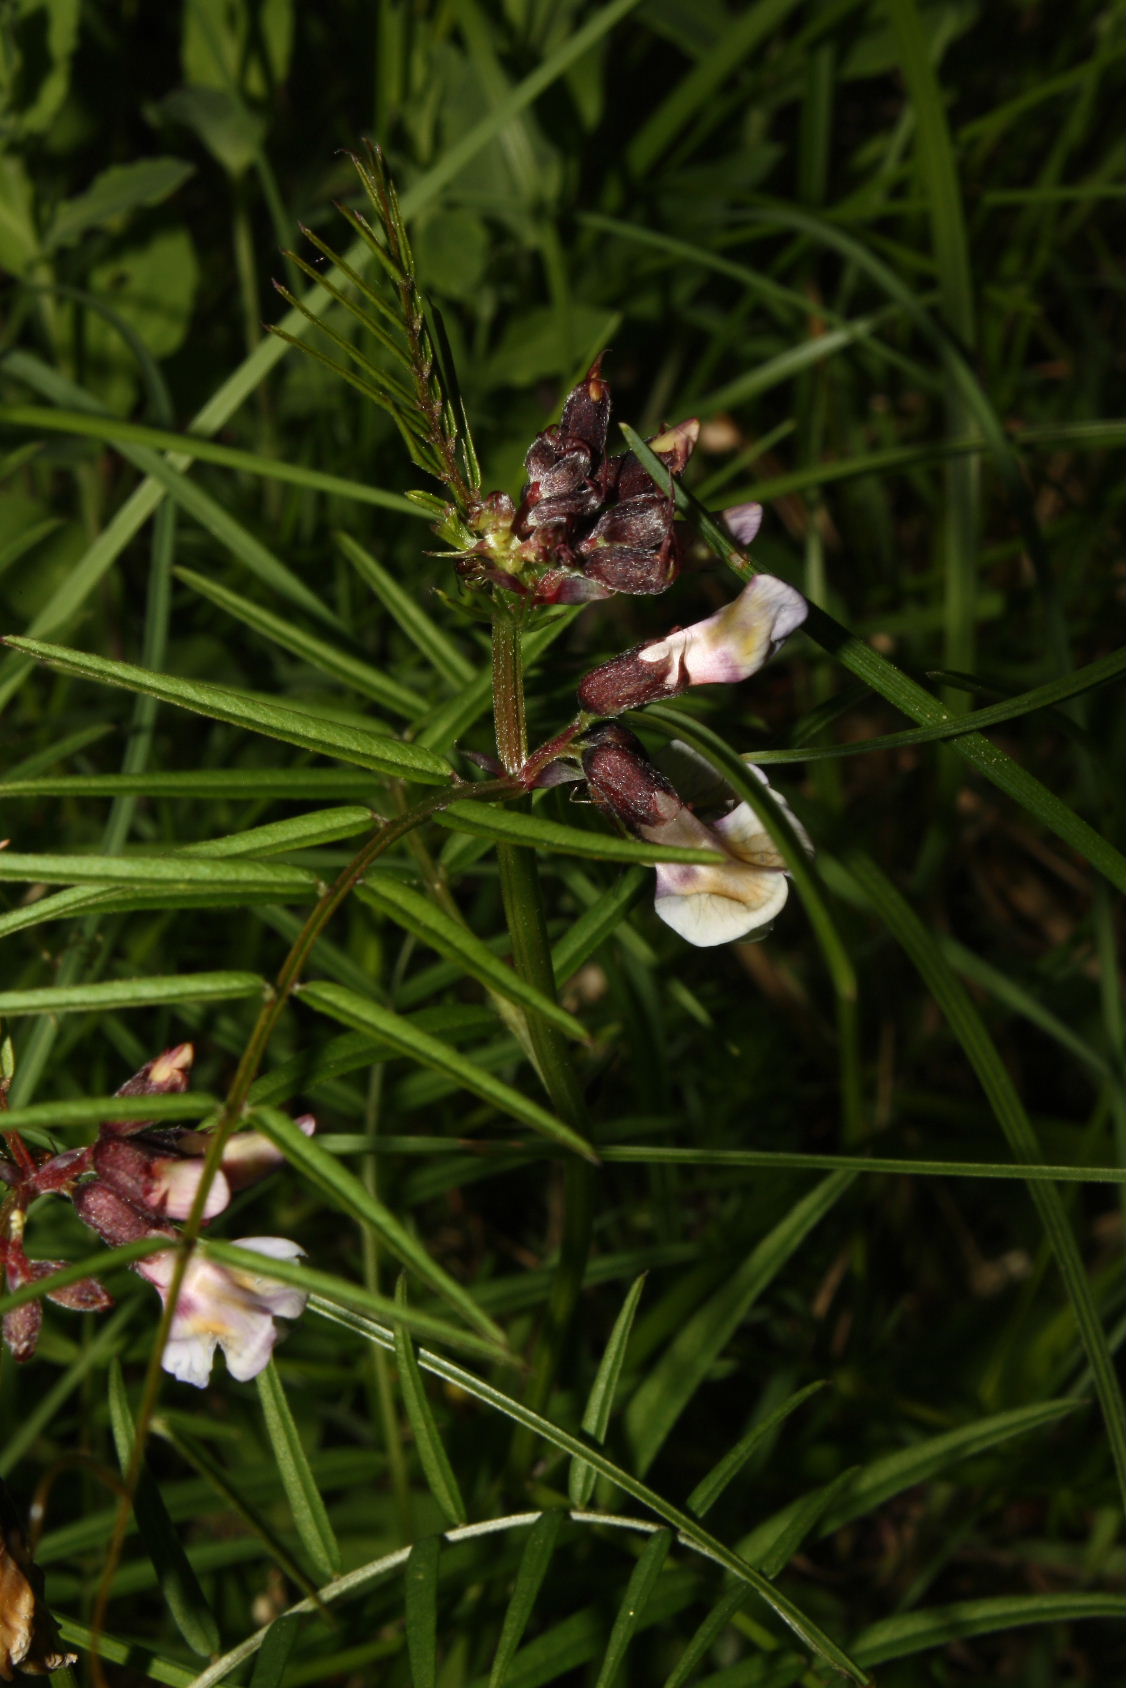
(508, 693)
(531, 957)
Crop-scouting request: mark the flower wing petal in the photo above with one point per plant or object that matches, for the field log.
(707, 918)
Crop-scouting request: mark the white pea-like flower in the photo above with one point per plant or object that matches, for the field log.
(709, 902)
(730, 645)
(225, 1307)
(738, 896)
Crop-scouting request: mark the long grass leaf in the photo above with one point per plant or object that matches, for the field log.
(310, 1515)
(639, 1591)
(534, 1563)
(110, 429)
(166, 874)
(698, 88)
(420, 1586)
(221, 703)
(600, 1401)
(349, 1194)
(252, 784)
(689, 1531)
(508, 826)
(435, 1461)
(415, 913)
(187, 494)
(1095, 674)
(709, 1488)
(914, 1632)
(701, 1643)
(133, 993)
(319, 653)
(432, 641)
(966, 1024)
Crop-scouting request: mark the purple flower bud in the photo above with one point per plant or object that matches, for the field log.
(564, 586)
(586, 412)
(21, 1329)
(116, 1219)
(85, 1295)
(169, 1074)
(627, 476)
(165, 1185)
(643, 521)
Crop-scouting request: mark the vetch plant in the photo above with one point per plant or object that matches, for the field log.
(588, 524)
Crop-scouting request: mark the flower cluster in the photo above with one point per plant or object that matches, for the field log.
(128, 1186)
(589, 525)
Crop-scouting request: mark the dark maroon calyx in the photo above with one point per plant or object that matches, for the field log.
(625, 568)
(624, 782)
(628, 682)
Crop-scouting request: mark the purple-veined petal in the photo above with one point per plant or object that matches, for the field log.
(743, 522)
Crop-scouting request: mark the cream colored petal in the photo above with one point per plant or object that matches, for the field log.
(284, 1301)
(709, 905)
(189, 1358)
(744, 835)
(734, 643)
(179, 1181)
(707, 918)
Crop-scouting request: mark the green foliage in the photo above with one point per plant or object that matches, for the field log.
(864, 1414)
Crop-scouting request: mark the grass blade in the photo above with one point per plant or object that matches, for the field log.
(164, 874)
(914, 1632)
(427, 637)
(415, 913)
(420, 1587)
(508, 826)
(133, 993)
(709, 1488)
(534, 1562)
(969, 1029)
(600, 1401)
(240, 709)
(349, 1194)
(326, 657)
(112, 429)
(638, 1592)
(435, 1461)
(310, 1515)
